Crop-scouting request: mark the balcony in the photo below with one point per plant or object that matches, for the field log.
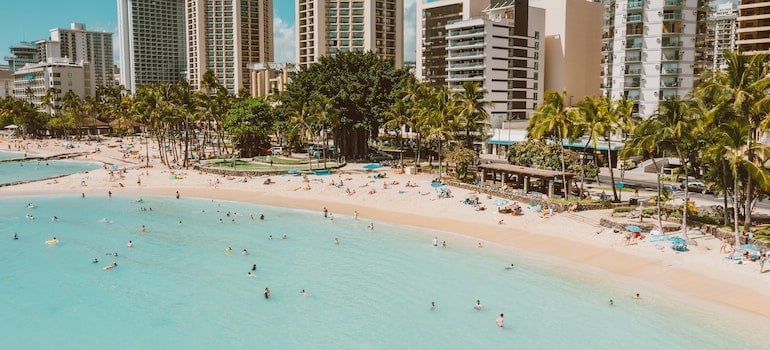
(672, 3)
(634, 58)
(635, 4)
(634, 18)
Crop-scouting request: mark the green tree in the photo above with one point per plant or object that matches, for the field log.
(553, 120)
(249, 121)
(463, 158)
(326, 116)
(362, 86)
(473, 117)
(437, 122)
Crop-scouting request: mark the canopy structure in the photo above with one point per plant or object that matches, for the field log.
(521, 177)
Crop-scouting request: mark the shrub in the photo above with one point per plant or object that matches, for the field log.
(622, 209)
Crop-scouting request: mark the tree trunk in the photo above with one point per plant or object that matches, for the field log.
(609, 166)
(724, 189)
(439, 159)
(686, 194)
(735, 210)
(563, 171)
(747, 205)
(659, 202)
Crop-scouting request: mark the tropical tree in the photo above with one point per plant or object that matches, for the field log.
(300, 124)
(397, 119)
(325, 115)
(552, 119)
(437, 116)
(473, 117)
(362, 86)
(742, 88)
(616, 118)
(250, 121)
(51, 100)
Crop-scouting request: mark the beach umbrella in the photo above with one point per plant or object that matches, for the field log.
(372, 166)
(676, 240)
(749, 247)
(500, 202)
(633, 228)
(436, 184)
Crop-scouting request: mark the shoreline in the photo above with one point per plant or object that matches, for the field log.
(701, 274)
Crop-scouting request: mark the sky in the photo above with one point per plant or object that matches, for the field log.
(32, 20)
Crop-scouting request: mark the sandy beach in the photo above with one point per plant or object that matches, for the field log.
(702, 273)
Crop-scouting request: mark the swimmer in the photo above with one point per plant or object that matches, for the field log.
(443, 244)
(326, 212)
(284, 236)
(245, 252)
(112, 254)
(95, 261)
(220, 220)
(110, 266)
(30, 217)
(478, 305)
(82, 195)
(15, 236)
(371, 226)
(249, 274)
(611, 302)
(480, 245)
(637, 296)
(435, 241)
(269, 237)
(433, 305)
(106, 220)
(254, 267)
(267, 293)
(251, 217)
(143, 229)
(336, 240)
(31, 205)
(130, 244)
(262, 216)
(55, 218)
(109, 194)
(510, 267)
(304, 293)
(355, 214)
(180, 222)
(228, 249)
(177, 194)
(500, 321)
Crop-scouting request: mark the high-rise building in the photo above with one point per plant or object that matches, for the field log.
(654, 49)
(754, 26)
(32, 82)
(573, 44)
(722, 34)
(152, 41)
(48, 49)
(432, 18)
(503, 52)
(6, 82)
(326, 27)
(22, 53)
(227, 37)
(95, 47)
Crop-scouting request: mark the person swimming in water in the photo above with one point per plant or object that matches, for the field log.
(510, 267)
(435, 241)
(15, 235)
(267, 293)
(95, 261)
(433, 305)
(500, 321)
(130, 244)
(304, 293)
(478, 305)
(254, 267)
(228, 249)
(110, 266)
(245, 252)
(336, 240)
(249, 274)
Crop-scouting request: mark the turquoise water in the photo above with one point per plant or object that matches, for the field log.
(44, 169)
(178, 288)
(10, 155)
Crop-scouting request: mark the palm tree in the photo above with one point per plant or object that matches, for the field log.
(416, 96)
(437, 123)
(300, 120)
(51, 100)
(617, 118)
(552, 119)
(742, 87)
(589, 117)
(471, 107)
(673, 126)
(324, 114)
(397, 119)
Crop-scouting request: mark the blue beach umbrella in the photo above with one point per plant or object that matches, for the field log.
(676, 240)
(633, 228)
(436, 184)
(372, 166)
(749, 247)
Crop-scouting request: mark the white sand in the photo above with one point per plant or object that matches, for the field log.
(701, 273)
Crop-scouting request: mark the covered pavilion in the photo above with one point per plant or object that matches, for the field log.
(516, 176)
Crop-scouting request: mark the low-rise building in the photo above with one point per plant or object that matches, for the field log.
(33, 81)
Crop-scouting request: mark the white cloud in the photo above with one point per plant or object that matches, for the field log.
(410, 15)
(284, 41)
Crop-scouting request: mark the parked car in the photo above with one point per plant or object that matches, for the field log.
(695, 186)
(379, 156)
(276, 150)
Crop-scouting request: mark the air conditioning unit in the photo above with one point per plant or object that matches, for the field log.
(660, 13)
(655, 93)
(658, 40)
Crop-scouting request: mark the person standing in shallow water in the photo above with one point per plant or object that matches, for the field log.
(267, 293)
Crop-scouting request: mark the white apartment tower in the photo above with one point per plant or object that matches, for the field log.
(152, 41)
(722, 34)
(94, 47)
(326, 27)
(432, 18)
(227, 37)
(503, 52)
(654, 49)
